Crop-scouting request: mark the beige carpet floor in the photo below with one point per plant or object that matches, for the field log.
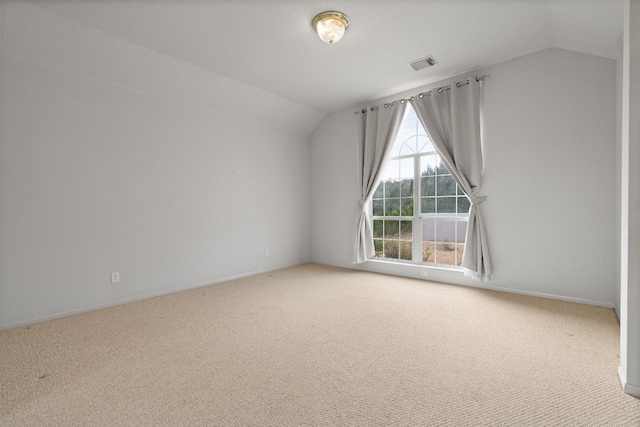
(319, 346)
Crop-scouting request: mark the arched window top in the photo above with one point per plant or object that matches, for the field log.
(412, 138)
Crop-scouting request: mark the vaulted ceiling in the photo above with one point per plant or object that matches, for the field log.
(269, 44)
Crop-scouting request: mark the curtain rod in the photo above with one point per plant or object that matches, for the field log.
(420, 95)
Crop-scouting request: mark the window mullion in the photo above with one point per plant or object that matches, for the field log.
(417, 223)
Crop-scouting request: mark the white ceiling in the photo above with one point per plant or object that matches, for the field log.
(269, 44)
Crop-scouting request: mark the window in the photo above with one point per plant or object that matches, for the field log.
(419, 213)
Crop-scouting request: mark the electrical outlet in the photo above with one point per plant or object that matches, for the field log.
(266, 252)
(424, 273)
(115, 277)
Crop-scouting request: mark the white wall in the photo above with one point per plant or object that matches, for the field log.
(101, 172)
(335, 189)
(549, 176)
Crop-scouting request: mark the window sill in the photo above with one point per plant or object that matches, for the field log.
(451, 275)
(420, 267)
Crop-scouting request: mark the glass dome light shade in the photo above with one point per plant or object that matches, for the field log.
(330, 26)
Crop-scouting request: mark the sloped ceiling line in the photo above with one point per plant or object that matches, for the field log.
(239, 40)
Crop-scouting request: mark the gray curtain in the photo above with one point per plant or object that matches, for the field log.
(452, 120)
(378, 129)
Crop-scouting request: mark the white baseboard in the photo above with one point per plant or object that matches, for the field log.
(547, 296)
(133, 299)
(631, 389)
(454, 276)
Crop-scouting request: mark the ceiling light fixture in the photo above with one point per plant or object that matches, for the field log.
(330, 25)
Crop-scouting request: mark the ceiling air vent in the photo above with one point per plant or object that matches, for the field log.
(419, 64)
